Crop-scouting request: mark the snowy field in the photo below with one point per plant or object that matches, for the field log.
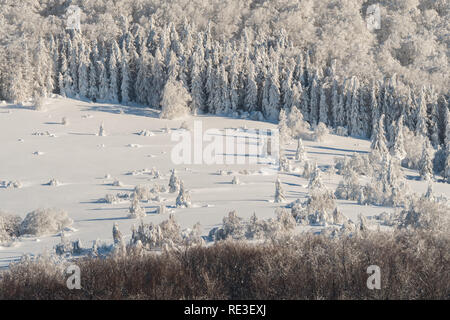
(36, 148)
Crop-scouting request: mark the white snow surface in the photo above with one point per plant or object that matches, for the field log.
(73, 156)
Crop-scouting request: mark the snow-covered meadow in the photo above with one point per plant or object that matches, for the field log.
(67, 164)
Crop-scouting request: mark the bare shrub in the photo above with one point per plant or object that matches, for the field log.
(414, 266)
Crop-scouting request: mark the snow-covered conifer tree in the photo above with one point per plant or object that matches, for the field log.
(379, 138)
(125, 71)
(279, 192)
(323, 106)
(300, 154)
(251, 89)
(315, 180)
(183, 199)
(174, 182)
(271, 96)
(425, 163)
(103, 81)
(421, 116)
(113, 91)
(283, 129)
(398, 149)
(136, 211)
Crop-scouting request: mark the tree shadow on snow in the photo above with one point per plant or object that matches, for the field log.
(119, 109)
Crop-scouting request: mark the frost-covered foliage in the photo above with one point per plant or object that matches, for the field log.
(308, 169)
(174, 182)
(285, 165)
(45, 221)
(300, 154)
(115, 198)
(136, 211)
(318, 208)
(425, 213)
(117, 235)
(166, 235)
(175, 100)
(279, 192)
(320, 132)
(38, 102)
(234, 227)
(143, 193)
(9, 227)
(315, 180)
(388, 187)
(183, 199)
(414, 148)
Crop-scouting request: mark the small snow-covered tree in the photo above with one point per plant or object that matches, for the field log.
(283, 129)
(136, 211)
(174, 182)
(101, 130)
(398, 149)
(279, 192)
(117, 235)
(175, 100)
(300, 154)
(379, 142)
(315, 181)
(183, 199)
(425, 163)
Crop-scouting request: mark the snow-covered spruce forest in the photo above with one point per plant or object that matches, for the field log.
(363, 118)
(253, 73)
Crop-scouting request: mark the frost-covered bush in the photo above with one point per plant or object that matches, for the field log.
(183, 200)
(279, 192)
(166, 234)
(192, 237)
(320, 132)
(349, 188)
(136, 211)
(426, 214)
(9, 226)
(175, 100)
(320, 203)
(341, 131)
(142, 193)
(174, 182)
(38, 103)
(232, 227)
(413, 148)
(285, 165)
(298, 126)
(285, 219)
(45, 221)
(308, 169)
